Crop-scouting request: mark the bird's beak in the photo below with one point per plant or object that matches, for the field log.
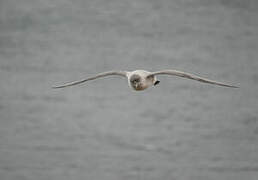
(156, 83)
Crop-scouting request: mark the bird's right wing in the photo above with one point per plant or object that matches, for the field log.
(190, 76)
(109, 73)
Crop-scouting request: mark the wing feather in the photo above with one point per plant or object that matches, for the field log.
(190, 76)
(109, 73)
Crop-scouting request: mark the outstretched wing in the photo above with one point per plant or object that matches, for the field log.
(190, 76)
(109, 73)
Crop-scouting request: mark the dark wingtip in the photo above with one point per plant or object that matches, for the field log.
(156, 83)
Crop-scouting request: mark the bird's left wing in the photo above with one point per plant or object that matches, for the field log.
(190, 76)
(109, 73)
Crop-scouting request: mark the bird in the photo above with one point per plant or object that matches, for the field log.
(140, 80)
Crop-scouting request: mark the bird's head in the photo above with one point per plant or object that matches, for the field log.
(136, 82)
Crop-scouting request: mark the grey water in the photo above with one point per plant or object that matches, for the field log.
(179, 130)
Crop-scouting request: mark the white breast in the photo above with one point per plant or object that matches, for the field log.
(146, 82)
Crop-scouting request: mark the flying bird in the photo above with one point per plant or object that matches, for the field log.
(140, 79)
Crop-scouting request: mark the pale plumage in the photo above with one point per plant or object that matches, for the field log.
(141, 79)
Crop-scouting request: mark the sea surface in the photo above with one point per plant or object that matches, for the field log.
(178, 130)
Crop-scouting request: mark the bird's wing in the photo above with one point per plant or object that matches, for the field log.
(119, 73)
(189, 76)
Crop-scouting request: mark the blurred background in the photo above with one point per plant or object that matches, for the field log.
(179, 130)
